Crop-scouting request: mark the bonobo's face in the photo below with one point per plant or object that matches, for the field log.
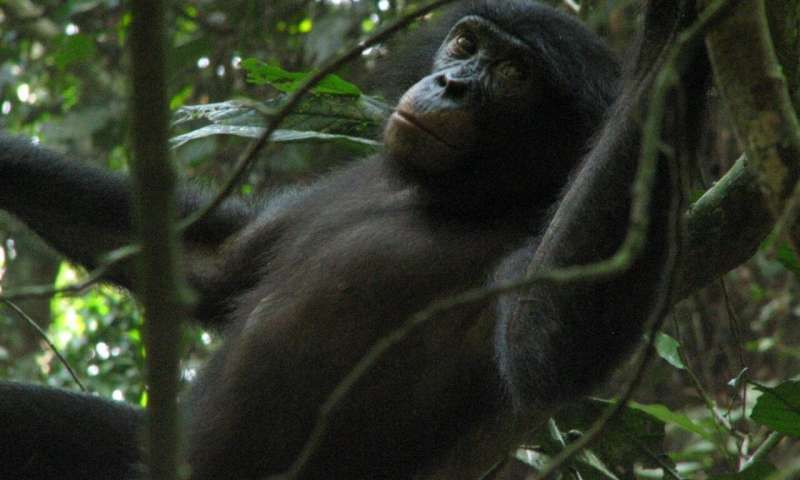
(483, 89)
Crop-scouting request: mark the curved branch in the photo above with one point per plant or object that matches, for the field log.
(723, 228)
(728, 223)
(755, 93)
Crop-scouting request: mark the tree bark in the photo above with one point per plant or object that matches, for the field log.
(726, 226)
(158, 278)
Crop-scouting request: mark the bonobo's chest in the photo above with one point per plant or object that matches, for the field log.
(349, 254)
(376, 243)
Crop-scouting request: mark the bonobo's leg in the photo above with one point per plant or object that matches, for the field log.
(560, 340)
(48, 433)
(84, 212)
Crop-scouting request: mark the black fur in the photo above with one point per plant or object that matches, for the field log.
(303, 287)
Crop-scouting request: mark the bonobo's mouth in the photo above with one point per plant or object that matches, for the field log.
(409, 119)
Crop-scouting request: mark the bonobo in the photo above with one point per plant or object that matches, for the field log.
(476, 153)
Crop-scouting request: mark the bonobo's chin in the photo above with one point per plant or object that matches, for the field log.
(411, 142)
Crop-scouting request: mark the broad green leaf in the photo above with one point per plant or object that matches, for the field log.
(261, 73)
(779, 408)
(353, 122)
(278, 136)
(667, 348)
(358, 116)
(667, 416)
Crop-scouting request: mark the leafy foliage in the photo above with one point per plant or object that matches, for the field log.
(626, 441)
(667, 348)
(261, 73)
(679, 420)
(779, 408)
(81, 327)
(348, 121)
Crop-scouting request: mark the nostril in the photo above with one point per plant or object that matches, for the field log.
(450, 86)
(456, 87)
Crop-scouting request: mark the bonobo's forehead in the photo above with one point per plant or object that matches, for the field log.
(536, 25)
(518, 17)
(491, 34)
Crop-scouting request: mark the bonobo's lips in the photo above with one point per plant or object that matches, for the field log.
(409, 119)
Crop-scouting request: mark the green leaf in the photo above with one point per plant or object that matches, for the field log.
(360, 116)
(533, 458)
(667, 348)
(586, 463)
(74, 49)
(590, 459)
(279, 136)
(666, 415)
(261, 73)
(622, 443)
(353, 122)
(779, 408)
(757, 471)
(180, 98)
(787, 257)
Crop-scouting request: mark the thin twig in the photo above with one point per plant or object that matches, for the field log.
(736, 330)
(668, 470)
(721, 424)
(37, 291)
(13, 306)
(108, 261)
(493, 470)
(763, 450)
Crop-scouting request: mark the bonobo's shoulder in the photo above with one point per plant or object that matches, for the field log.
(333, 187)
(16, 148)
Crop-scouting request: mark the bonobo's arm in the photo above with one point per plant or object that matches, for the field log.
(49, 433)
(556, 342)
(84, 212)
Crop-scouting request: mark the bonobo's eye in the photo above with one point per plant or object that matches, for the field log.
(463, 45)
